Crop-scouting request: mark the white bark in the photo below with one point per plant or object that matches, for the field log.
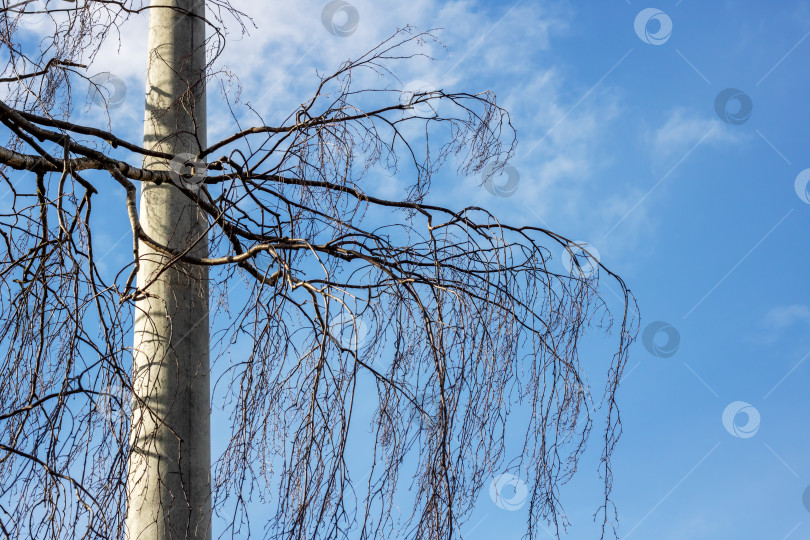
(168, 482)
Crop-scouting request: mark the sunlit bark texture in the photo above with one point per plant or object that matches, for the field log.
(168, 483)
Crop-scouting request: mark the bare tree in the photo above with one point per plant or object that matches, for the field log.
(446, 319)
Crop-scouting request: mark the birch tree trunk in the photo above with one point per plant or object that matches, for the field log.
(168, 480)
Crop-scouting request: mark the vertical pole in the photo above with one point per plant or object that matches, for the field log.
(168, 481)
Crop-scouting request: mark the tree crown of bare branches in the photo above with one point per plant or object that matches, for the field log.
(450, 317)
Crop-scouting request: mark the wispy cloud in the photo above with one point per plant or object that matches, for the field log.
(563, 179)
(684, 127)
(783, 317)
(782, 321)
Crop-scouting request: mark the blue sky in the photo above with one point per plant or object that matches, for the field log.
(621, 146)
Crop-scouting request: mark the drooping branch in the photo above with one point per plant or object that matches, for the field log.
(448, 318)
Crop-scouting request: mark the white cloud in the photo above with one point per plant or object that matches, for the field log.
(562, 178)
(276, 61)
(563, 159)
(781, 320)
(684, 128)
(783, 317)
